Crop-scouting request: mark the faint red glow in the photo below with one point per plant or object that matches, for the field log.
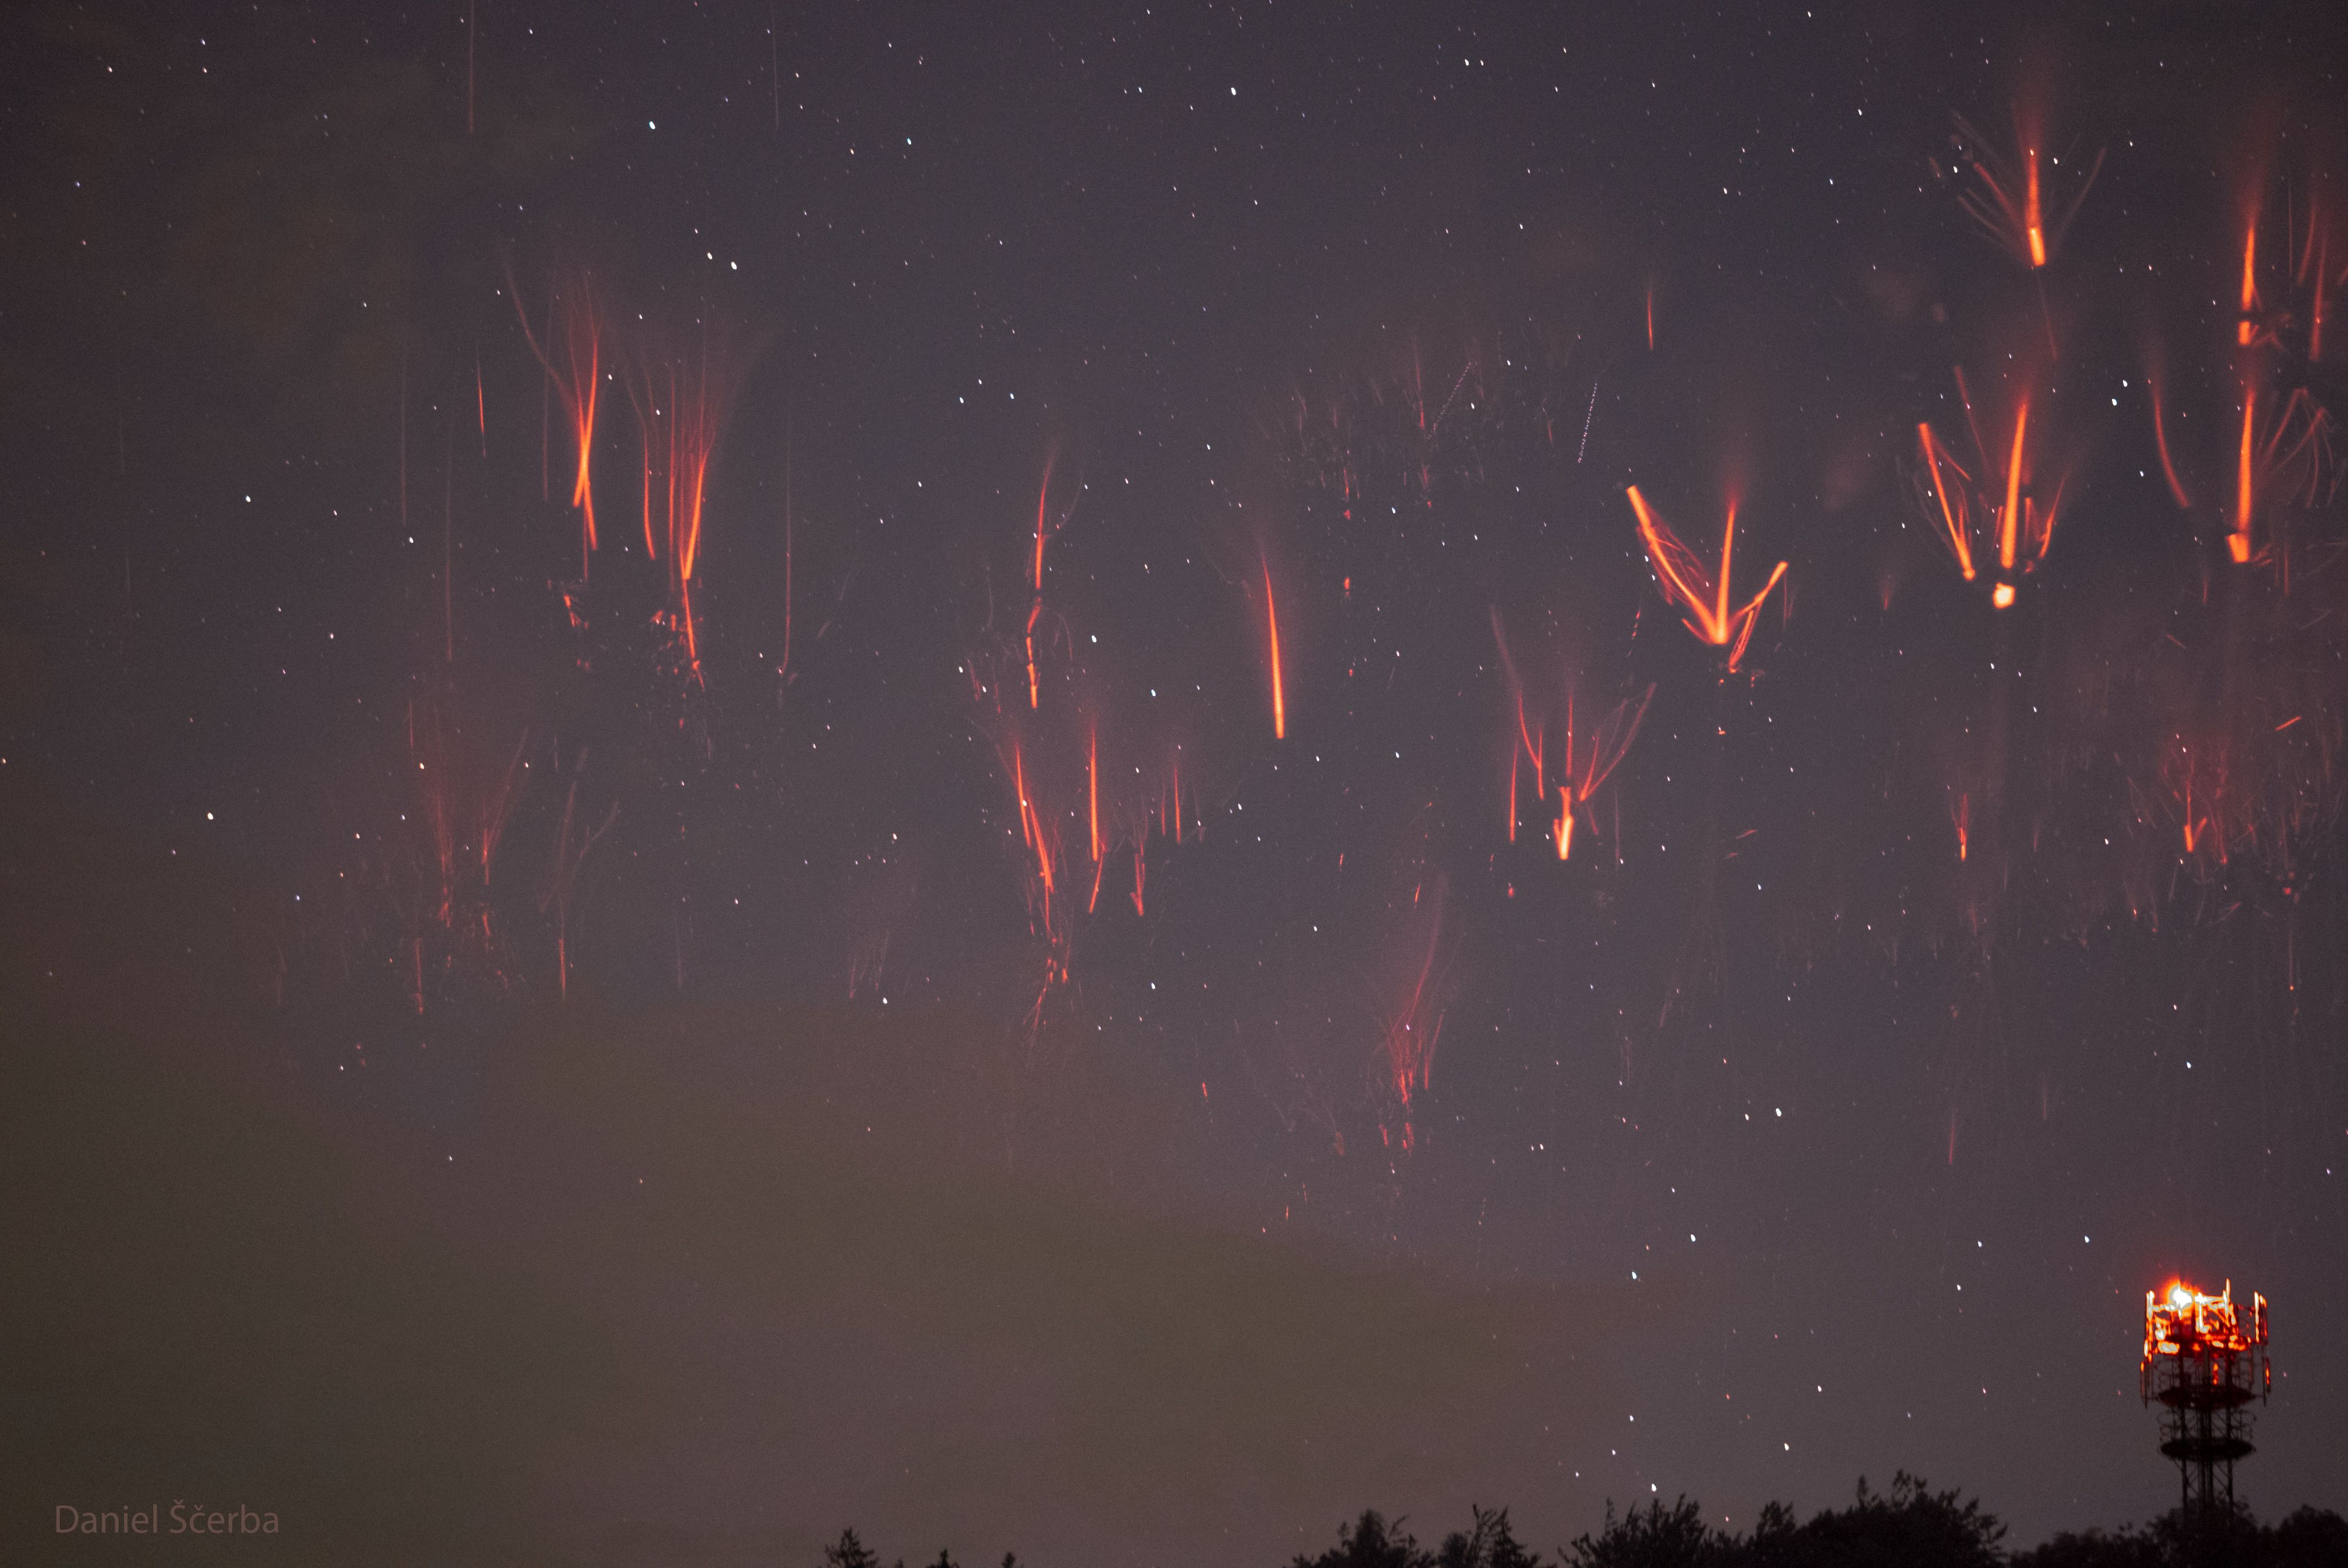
(2161, 440)
(1588, 756)
(1414, 1030)
(1035, 607)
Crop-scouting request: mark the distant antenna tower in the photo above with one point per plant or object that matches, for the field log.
(2205, 1362)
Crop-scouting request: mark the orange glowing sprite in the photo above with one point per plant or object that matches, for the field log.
(1685, 581)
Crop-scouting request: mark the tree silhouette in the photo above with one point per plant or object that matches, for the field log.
(1370, 1542)
(1490, 1544)
(2308, 1538)
(1660, 1537)
(850, 1552)
(2128, 1548)
(1912, 1525)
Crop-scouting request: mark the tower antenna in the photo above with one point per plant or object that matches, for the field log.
(2205, 1361)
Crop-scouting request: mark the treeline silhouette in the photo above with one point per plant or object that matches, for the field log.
(1912, 1526)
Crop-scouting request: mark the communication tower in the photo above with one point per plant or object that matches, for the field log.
(2205, 1360)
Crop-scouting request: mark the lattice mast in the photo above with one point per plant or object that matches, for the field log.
(2205, 1360)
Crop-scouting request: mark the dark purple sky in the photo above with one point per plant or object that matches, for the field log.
(821, 1175)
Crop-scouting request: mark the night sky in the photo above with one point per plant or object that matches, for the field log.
(1114, 916)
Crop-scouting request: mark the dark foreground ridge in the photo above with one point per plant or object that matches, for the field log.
(1912, 1526)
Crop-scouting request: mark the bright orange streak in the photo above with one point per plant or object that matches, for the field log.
(2245, 329)
(1092, 795)
(1684, 580)
(1031, 828)
(1272, 621)
(1033, 696)
(1727, 536)
(1178, 803)
(677, 428)
(2018, 527)
(1042, 495)
(582, 418)
(1670, 560)
(1586, 770)
(2168, 468)
(1036, 610)
(1651, 318)
(1140, 875)
(2238, 544)
(1752, 614)
(1512, 794)
(481, 398)
(1019, 784)
(2007, 202)
(2010, 520)
(1962, 817)
(582, 331)
(1957, 531)
(2031, 224)
(1093, 902)
(691, 547)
